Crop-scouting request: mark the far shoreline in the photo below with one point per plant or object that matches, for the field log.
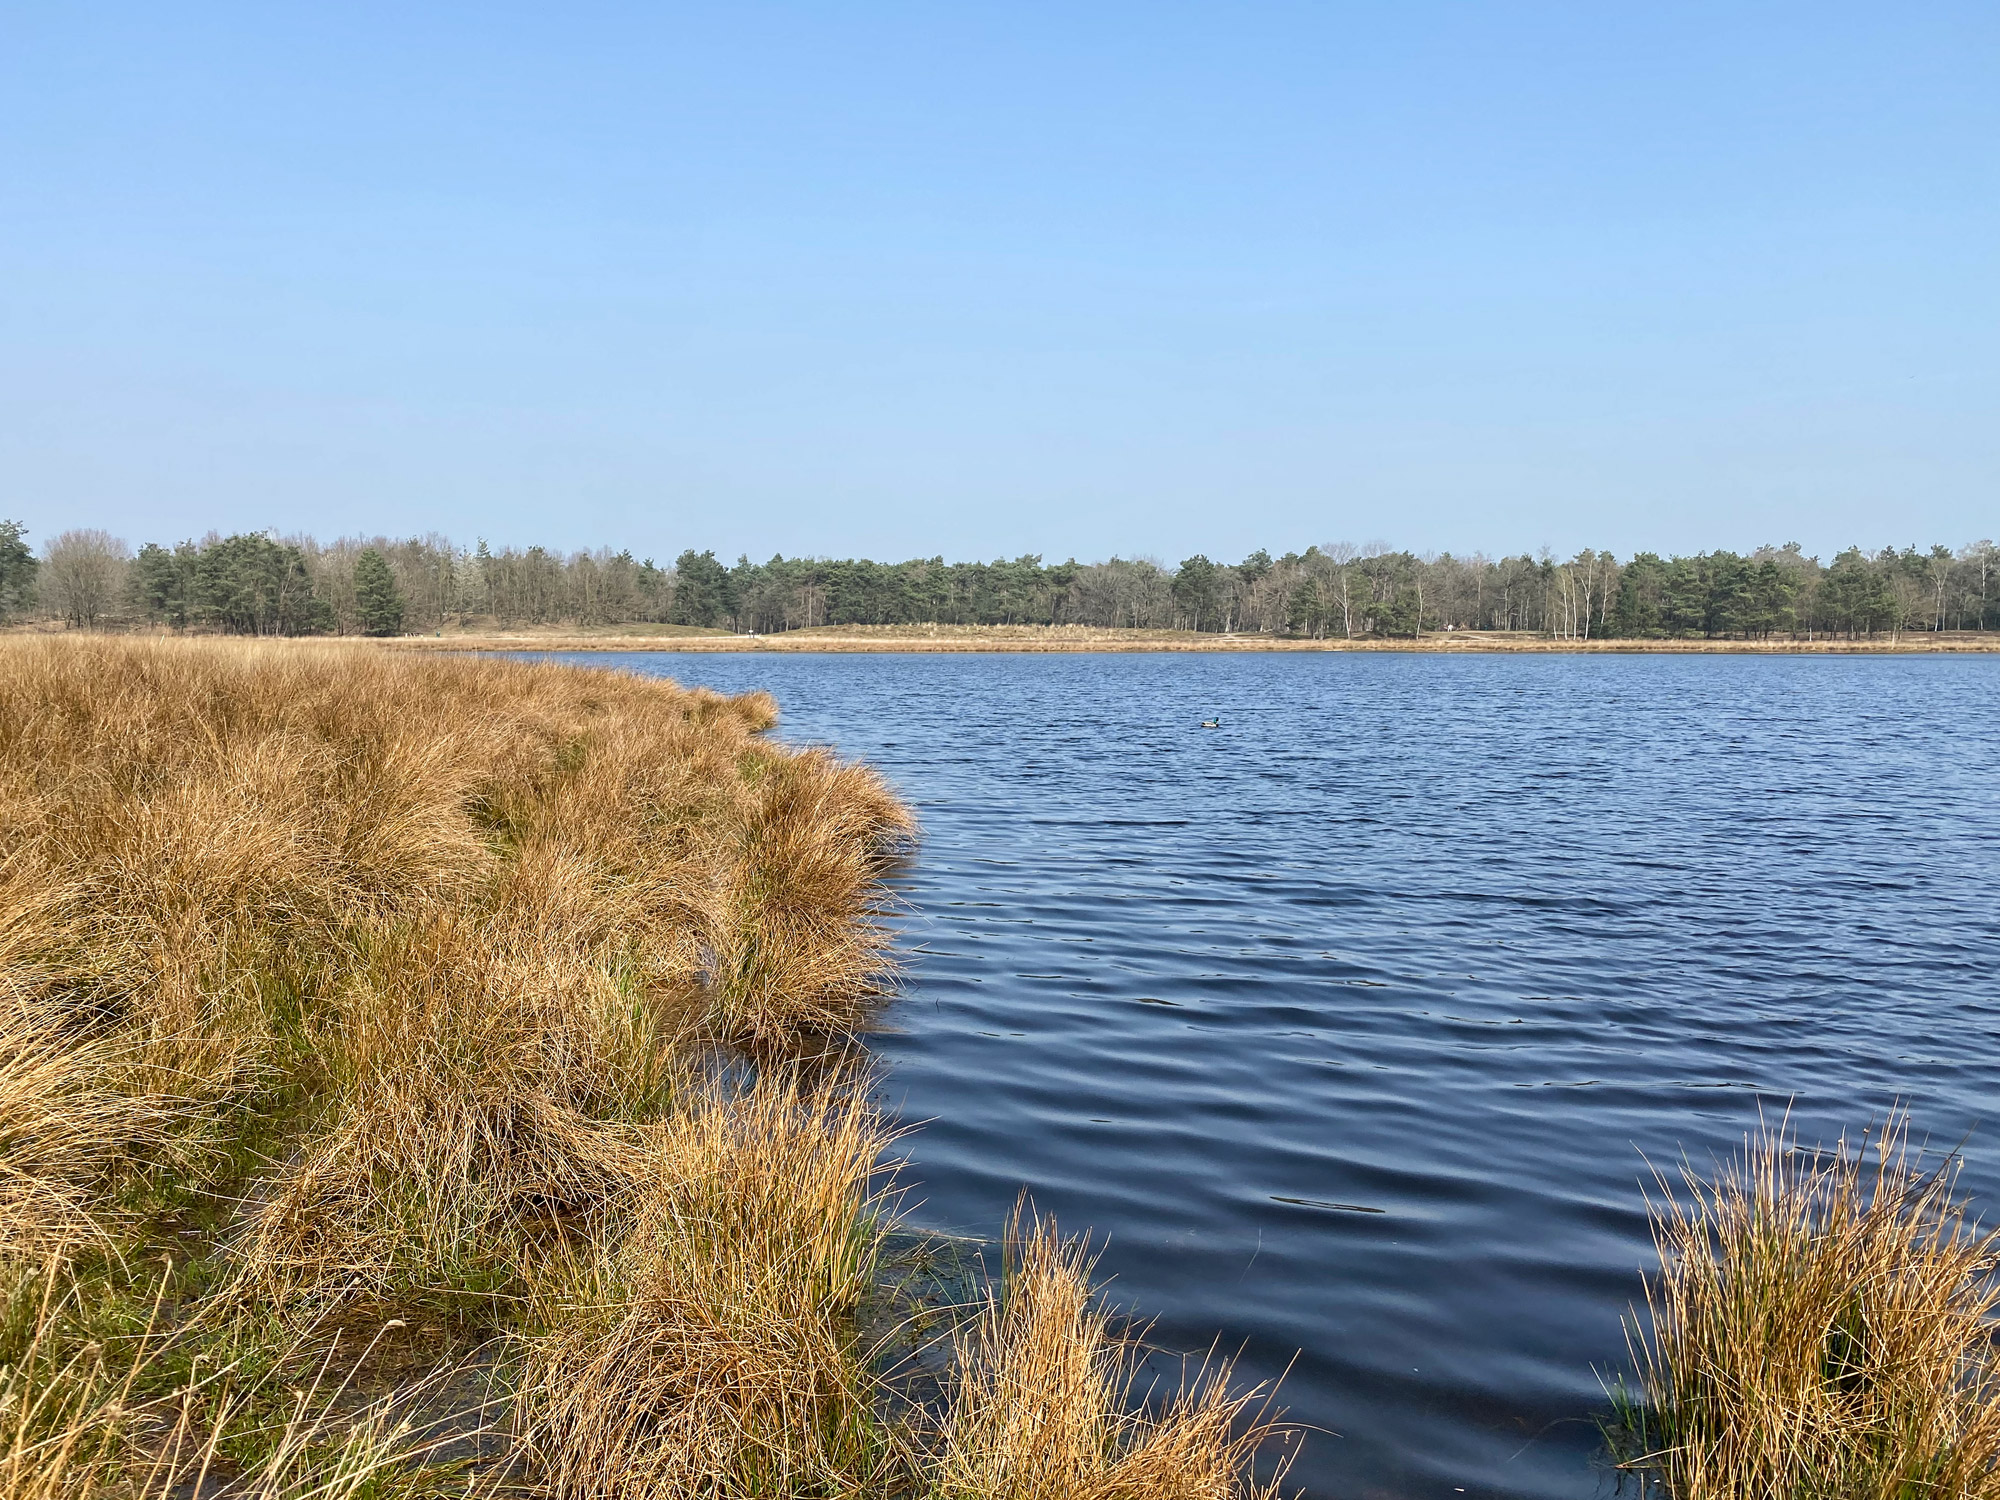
(1080, 640)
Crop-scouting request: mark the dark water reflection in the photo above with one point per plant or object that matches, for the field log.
(1348, 1022)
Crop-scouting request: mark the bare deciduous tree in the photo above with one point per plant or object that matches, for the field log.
(82, 575)
(1343, 555)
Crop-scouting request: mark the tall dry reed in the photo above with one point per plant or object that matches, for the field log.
(1822, 1326)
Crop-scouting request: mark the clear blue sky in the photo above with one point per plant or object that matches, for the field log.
(973, 280)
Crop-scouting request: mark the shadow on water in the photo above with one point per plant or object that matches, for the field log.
(1346, 1024)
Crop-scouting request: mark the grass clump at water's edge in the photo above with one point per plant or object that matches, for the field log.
(368, 1024)
(1821, 1326)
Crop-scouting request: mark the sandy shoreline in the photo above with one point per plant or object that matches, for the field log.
(1043, 638)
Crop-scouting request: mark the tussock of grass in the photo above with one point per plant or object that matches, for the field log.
(1044, 1407)
(376, 989)
(709, 1350)
(63, 1133)
(1822, 1325)
(791, 946)
(472, 1082)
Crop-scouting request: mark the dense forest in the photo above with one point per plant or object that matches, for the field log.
(264, 584)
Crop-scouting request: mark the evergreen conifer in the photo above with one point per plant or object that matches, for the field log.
(377, 601)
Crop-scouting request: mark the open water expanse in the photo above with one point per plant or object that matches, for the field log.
(1351, 1024)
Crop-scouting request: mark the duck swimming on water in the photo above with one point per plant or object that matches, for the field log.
(1211, 723)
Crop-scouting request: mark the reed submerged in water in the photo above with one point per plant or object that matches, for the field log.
(1822, 1325)
(361, 1016)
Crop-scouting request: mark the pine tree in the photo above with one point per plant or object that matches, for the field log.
(17, 567)
(377, 600)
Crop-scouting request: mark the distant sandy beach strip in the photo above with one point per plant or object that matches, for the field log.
(1080, 638)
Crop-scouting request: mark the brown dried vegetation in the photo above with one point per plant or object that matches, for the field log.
(1822, 1326)
(344, 990)
(1044, 1409)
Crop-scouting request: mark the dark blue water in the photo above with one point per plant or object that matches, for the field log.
(1348, 1023)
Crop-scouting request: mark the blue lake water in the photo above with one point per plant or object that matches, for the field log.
(1351, 1024)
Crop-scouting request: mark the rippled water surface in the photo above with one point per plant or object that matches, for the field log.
(1348, 1023)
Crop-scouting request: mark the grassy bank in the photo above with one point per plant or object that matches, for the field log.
(1084, 638)
(424, 1077)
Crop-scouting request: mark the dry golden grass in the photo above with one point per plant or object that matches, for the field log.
(362, 986)
(1822, 1326)
(63, 1133)
(1044, 1407)
(467, 905)
(194, 819)
(708, 1350)
(93, 1422)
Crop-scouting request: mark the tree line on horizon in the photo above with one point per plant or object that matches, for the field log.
(262, 584)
